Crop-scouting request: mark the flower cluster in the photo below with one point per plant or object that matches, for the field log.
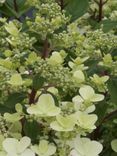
(56, 78)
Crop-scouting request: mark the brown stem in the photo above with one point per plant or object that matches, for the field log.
(101, 3)
(96, 133)
(46, 51)
(109, 116)
(22, 122)
(32, 96)
(100, 11)
(15, 5)
(62, 4)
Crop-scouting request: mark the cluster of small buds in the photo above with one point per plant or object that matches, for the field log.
(109, 7)
(18, 41)
(3, 43)
(4, 76)
(32, 3)
(56, 75)
(101, 40)
(62, 40)
(3, 127)
(48, 19)
(113, 16)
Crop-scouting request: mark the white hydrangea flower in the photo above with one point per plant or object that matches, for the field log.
(86, 121)
(87, 95)
(78, 76)
(85, 147)
(55, 59)
(44, 148)
(14, 147)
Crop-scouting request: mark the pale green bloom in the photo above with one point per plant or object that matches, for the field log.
(19, 108)
(53, 90)
(113, 15)
(114, 145)
(2, 153)
(12, 29)
(14, 147)
(66, 123)
(79, 106)
(12, 117)
(78, 76)
(32, 58)
(77, 64)
(16, 80)
(44, 148)
(55, 59)
(44, 107)
(15, 130)
(86, 121)
(107, 61)
(88, 95)
(7, 63)
(8, 53)
(100, 81)
(3, 20)
(85, 147)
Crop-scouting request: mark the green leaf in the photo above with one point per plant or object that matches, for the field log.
(101, 110)
(107, 25)
(112, 87)
(4, 109)
(19, 3)
(9, 8)
(13, 99)
(31, 129)
(23, 10)
(76, 8)
(38, 82)
(8, 11)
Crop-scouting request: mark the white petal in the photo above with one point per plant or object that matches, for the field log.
(33, 109)
(51, 150)
(10, 145)
(90, 109)
(79, 76)
(45, 99)
(2, 153)
(35, 149)
(87, 92)
(77, 99)
(79, 145)
(53, 111)
(97, 97)
(23, 144)
(28, 152)
(93, 148)
(45, 102)
(57, 127)
(74, 153)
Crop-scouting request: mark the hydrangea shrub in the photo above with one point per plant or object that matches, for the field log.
(58, 77)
